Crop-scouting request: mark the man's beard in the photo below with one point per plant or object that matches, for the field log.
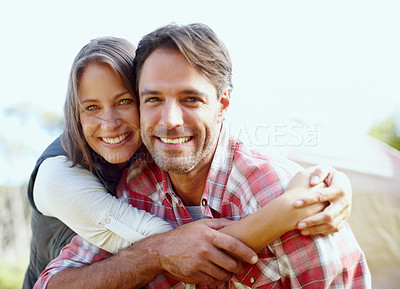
(184, 163)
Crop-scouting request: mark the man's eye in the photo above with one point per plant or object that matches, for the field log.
(191, 99)
(92, 107)
(152, 99)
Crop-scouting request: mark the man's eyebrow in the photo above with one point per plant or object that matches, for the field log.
(149, 92)
(193, 92)
(190, 91)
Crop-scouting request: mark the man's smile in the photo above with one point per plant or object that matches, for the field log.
(178, 140)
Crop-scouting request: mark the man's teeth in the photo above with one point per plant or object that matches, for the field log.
(178, 140)
(115, 140)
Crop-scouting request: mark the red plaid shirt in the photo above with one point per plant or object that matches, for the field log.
(240, 182)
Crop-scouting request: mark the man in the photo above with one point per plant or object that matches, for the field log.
(184, 83)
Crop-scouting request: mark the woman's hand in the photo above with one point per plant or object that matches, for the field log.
(299, 189)
(338, 193)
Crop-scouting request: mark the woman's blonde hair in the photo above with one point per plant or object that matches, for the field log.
(118, 54)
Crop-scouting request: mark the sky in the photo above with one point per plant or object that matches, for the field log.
(335, 63)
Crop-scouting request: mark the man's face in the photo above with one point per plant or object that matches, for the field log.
(180, 113)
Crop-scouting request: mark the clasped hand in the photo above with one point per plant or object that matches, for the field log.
(322, 185)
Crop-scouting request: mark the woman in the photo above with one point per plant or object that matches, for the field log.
(101, 137)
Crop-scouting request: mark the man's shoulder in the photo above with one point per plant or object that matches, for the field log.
(255, 179)
(251, 159)
(254, 166)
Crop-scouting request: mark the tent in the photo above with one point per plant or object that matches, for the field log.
(374, 171)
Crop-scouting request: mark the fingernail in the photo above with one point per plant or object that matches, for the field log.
(298, 203)
(314, 179)
(254, 259)
(302, 225)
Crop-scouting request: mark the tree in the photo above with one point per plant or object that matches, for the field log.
(388, 131)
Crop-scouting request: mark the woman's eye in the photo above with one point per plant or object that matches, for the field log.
(92, 107)
(126, 101)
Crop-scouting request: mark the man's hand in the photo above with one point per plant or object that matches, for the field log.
(198, 253)
(339, 194)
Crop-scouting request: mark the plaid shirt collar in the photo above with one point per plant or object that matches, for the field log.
(220, 171)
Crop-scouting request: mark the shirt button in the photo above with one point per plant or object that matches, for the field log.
(204, 202)
(107, 220)
(252, 280)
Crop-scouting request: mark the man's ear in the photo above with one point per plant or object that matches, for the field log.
(224, 102)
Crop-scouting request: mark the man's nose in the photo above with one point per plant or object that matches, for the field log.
(171, 114)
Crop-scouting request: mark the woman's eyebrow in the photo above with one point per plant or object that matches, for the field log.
(96, 100)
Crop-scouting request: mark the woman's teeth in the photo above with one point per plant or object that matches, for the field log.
(178, 140)
(115, 140)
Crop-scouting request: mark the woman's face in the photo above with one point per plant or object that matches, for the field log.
(109, 114)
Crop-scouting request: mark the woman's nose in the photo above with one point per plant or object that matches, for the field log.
(110, 119)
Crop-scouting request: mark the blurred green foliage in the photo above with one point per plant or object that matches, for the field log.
(387, 131)
(11, 276)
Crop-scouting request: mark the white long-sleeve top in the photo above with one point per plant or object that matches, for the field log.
(77, 197)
